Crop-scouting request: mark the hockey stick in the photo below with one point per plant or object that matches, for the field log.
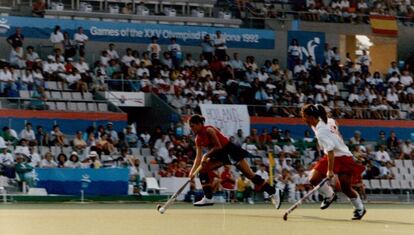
(298, 203)
(167, 204)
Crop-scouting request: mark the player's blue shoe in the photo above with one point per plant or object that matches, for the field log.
(326, 202)
(358, 214)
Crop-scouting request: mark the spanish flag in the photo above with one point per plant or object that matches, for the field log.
(384, 25)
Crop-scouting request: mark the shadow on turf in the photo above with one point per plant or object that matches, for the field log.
(331, 219)
(365, 221)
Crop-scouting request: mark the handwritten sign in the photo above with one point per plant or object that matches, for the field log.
(228, 118)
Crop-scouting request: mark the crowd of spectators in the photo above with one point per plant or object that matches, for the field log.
(172, 151)
(347, 86)
(336, 11)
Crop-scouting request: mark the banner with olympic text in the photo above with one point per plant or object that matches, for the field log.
(40, 28)
(228, 118)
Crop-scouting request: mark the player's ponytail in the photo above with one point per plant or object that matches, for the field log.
(322, 113)
(316, 111)
(197, 119)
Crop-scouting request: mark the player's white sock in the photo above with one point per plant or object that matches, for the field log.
(326, 190)
(316, 196)
(357, 203)
(297, 195)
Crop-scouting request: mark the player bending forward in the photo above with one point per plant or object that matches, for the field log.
(220, 151)
(337, 160)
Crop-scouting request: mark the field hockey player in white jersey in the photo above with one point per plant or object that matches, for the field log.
(337, 160)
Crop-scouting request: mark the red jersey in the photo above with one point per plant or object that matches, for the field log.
(204, 141)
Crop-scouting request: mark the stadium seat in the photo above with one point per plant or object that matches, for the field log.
(52, 85)
(82, 107)
(135, 151)
(61, 106)
(153, 186)
(56, 95)
(66, 95)
(385, 185)
(154, 168)
(394, 171)
(408, 164)
(76, 96)
(24, 94)
(103, 107)
(405, 184)
(145, 151)
(51, 105)
(395, 185)
(87, 96)
(43, 150)
(149, 159)
(375, 184)
(399, 164)
(367, 184)
(92, 107)
(72, 106)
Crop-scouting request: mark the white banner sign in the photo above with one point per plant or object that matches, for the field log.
(228, 118)
(126, 99)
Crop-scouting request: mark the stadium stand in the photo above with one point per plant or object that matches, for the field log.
(350, 90)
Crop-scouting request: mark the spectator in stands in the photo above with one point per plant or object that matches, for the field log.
(393, 143)
(244, 189)
(154, 48)
(356, 139)
(132, 138)
(73, 161)
(228, 182)
(289, 149)
(127, 9)
(61, 160)
(145, 137)
(136, 174)
(111, 52)
(17, 39)
(239, 138)
(104, 145)
(262, 172)
(42, 137)
(286, 185)
(24, 170)
(407, 150)
(220, 46)
(56, 38)
(382, 155)
(93, 160)
(302, 184)
(364, 61)
(6, 161)
(207, 48)
(48, 161)
(112, 133)
(9, 135)
(16, 58)
(28, 133)
(79, 144)
(26, 80)
(39, 8)
(393, 69)
(57, 137)
(174, 50)
(33, 158)
(294, 53)
(69, 46)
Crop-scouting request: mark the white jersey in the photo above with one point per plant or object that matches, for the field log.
(330, 139)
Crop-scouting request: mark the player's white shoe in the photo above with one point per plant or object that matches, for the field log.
(326, 202)
(204, 202)
(276, 200)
